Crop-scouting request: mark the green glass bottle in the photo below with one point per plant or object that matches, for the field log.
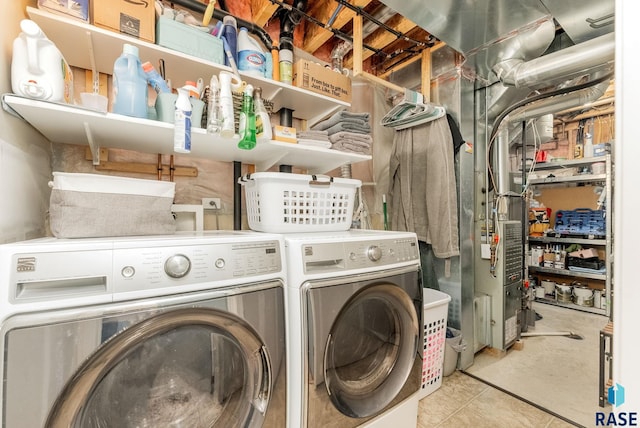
(247, 124)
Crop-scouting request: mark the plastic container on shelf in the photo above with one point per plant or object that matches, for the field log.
(230, 34)
(154, 79)
(182, 121)
(263, 121)
(284, 202)
(38, 69)
(436, 308)
(251, 58)
(129, 84)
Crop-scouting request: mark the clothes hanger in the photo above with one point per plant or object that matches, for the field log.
(411, 111)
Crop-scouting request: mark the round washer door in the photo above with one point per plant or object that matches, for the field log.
(195, 367)
(371, 350)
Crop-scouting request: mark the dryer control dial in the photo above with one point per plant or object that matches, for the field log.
(177, 266)
(374, 253)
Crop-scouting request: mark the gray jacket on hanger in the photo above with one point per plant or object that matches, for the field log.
(422, 187)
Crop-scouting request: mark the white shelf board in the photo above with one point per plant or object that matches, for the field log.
(63, 123)
(74, 39)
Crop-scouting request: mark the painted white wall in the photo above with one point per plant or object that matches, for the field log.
(24, 153)
(627, 206)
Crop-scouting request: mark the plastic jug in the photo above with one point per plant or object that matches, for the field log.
(251, 58)
(129, 84)
(38, 69)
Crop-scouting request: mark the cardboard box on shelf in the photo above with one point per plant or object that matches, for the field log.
(75, 8)
(285, 134)
(137, 19)
(316, 78)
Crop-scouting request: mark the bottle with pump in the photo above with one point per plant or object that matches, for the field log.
(247, 121)
(129, 84)
(182, 120)
(263, 122)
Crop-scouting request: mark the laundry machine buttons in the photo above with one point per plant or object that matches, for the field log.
(219, 263)
(374, 253)
(128, 271)
(177, 266)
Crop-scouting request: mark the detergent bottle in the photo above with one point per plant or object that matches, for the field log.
(129, 84)
(38, 69)
(251, 58)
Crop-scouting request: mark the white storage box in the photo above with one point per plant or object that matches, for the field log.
(436, 307)
(92, 205)
(283, 203)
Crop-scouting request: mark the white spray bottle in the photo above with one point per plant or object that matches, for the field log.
(226, 104)
(182, 120)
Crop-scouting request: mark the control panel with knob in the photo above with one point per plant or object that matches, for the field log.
(340, 256)
(177, 266)
(374, 253)
(195, 266)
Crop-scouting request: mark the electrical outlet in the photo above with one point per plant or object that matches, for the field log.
(211, 203)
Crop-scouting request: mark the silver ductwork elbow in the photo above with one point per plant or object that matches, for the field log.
(559, 103)
(564, 64)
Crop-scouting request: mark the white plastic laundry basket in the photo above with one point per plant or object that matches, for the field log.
(284, 203)
(436, 306)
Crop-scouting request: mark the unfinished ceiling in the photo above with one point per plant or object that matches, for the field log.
(390, 40)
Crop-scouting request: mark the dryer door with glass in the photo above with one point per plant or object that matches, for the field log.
(362, 344)
(192, 361)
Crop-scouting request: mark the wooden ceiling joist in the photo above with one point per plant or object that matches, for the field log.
(262, 11)
(316, 36)
(381, 38)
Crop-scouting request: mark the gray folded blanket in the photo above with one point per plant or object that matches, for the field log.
(353, 136)
(352, 146)
(350, 127)
(313, 135)
(343, 116)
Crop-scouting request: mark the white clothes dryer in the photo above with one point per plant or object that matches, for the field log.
(354, 311)
(180, 330)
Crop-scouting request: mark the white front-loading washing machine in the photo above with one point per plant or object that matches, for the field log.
(354, 311)
(184, 330)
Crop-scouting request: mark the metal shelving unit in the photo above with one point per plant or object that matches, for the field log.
(606, 242)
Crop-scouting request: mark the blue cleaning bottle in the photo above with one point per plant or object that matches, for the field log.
(129, 84)
(230, 33)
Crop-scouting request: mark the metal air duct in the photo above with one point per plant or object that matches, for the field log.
(558, 66)
(559, 103)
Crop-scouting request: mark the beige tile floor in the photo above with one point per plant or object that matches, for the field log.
(463, 401)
